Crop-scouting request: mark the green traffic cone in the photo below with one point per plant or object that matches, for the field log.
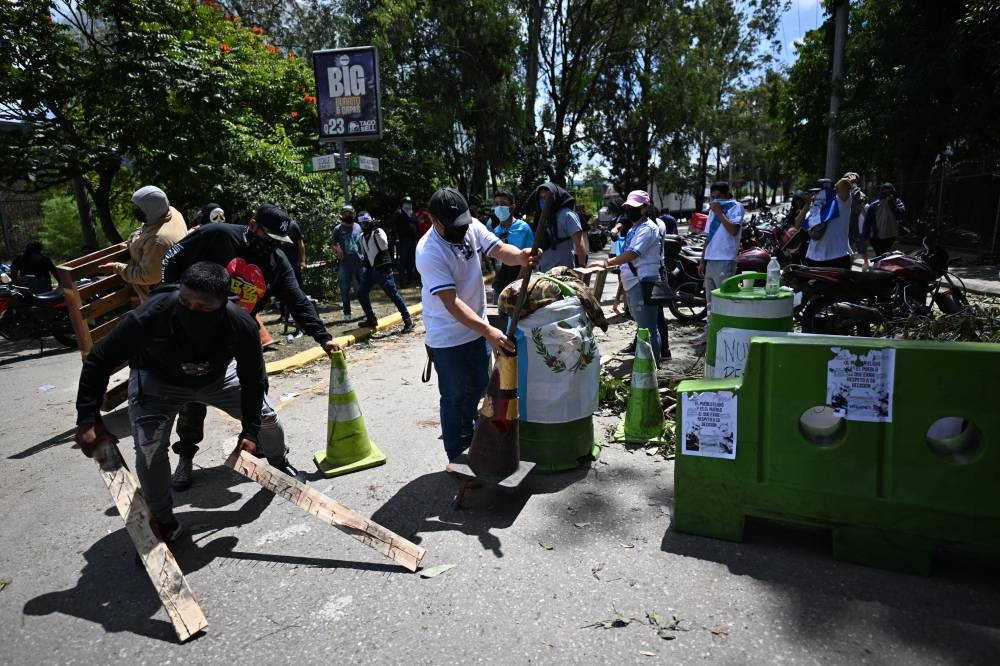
(348, 448)
(644, 414)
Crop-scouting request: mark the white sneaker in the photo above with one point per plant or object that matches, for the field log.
(347, 317)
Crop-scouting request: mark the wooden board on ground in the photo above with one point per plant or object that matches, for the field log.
(96, 301)
(393, 546)
(175, 594)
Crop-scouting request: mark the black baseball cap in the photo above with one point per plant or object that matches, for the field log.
(450, 208)
(275, 222)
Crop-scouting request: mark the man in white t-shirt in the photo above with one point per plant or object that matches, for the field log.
(725, 220)
(454, 300)
(833, 247)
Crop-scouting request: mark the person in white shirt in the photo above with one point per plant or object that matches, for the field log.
(828, 224)
(725, 220)
(459, 337)
(377, 269)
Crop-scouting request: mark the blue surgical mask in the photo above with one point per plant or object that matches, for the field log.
(502, 212)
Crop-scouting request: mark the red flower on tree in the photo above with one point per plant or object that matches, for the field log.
(295, 114)
(224, 48)
(309, 98)
(257, 30)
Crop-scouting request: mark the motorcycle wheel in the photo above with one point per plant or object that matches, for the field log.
(952, 301)
(688, 312)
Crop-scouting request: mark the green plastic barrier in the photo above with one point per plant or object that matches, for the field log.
(909, 465)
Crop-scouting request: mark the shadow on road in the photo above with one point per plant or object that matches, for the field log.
(953, 612)
(425, 505)
(16, 351)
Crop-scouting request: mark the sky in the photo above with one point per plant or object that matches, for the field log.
(801, 17)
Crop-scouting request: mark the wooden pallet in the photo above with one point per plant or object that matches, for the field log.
(96, 307)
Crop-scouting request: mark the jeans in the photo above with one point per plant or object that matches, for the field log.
(383, 278)
(348, 271)
(645, 316)
(153, 404)
(463, 373)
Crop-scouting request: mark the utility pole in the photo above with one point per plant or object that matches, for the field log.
(833, 134)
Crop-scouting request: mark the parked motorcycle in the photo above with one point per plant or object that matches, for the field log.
(841, 301)
(26, 315)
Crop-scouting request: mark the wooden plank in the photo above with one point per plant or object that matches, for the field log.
(175, 594)
(105, 304)
(599, 281)
(83, 339)
(330, 511)
(103, 286)
(115, 396)
(85, 266)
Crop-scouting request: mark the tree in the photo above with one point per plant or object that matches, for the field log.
(165, 91)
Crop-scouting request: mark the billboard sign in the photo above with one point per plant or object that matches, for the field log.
(348, 94)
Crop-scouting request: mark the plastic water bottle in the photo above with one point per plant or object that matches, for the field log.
(773, 283)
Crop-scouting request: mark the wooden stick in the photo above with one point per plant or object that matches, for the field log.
(175, 594)
(327, 509)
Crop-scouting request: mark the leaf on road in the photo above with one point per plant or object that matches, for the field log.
(4, 582)
(627, 545)
(647, 653)
(595, 569)
(582, 525)
(434, 571)
(546, 546)
(665, 510)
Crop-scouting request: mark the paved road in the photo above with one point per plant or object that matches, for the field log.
(279, 587)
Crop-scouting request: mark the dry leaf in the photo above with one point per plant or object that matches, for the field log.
(647, 653)
(546, 546)
(627, 545)
(434, 571)
(582, 525)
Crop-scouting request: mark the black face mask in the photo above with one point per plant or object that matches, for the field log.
(633, 214)
(455, 235)
(347, 220)
(199, 325)
(261, 248)
(139, 215)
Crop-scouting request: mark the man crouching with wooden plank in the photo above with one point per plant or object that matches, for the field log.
(183, 344)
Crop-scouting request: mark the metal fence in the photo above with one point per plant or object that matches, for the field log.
(20, 221)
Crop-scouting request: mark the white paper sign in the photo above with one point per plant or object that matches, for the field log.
(859, 385)
(709, 424)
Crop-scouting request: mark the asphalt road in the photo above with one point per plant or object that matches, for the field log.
(279, 587)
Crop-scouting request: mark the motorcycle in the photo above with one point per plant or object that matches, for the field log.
(26, 315)
(841, 301)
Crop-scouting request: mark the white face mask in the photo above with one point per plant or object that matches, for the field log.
(408, 208)
(502, 212)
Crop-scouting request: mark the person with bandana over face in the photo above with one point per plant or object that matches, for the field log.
(378, 270)
(345, 239)
(511, 230)
(407, 233)
(257, 269)
(162, 226)
(182, 343)
(459, 337)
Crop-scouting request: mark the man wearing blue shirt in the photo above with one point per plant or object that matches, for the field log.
(725, 219)
(505, 225)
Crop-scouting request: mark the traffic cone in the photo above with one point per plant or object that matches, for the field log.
(643, 420)
(348, 448)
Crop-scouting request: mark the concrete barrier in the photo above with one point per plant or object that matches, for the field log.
(893, 445)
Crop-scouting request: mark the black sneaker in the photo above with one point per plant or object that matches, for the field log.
(407, 325)
(170, 529)
(665, 354)
(369, 322)
(283, 465)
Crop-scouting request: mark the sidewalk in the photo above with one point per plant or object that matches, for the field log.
(978, 279)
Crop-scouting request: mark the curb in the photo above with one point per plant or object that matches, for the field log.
(315, 353)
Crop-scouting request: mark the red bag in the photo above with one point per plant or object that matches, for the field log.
(698, 222)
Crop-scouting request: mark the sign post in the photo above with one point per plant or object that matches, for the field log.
(349, 99)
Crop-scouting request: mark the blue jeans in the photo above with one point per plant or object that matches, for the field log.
(383, 278)
(463, 373)
(348, 271)
(645, 316)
